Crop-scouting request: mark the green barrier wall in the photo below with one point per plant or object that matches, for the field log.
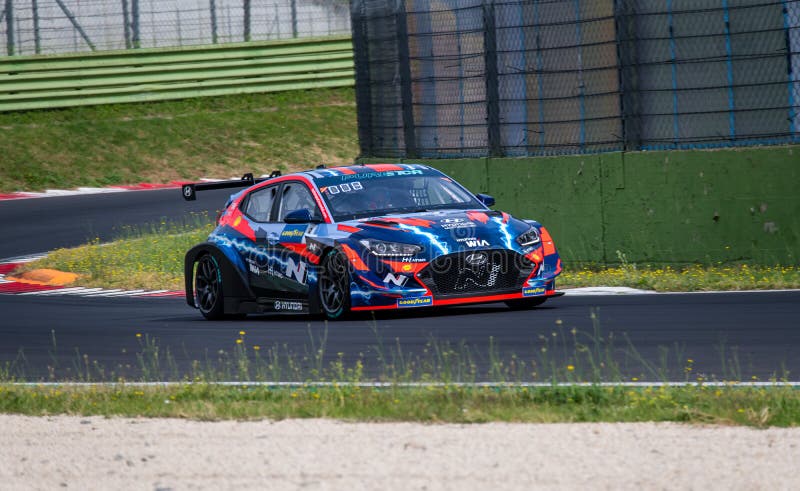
(111, 77)
(663, 207)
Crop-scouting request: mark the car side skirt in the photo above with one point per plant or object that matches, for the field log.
(444, 302)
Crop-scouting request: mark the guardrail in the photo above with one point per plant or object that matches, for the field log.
(38, 82)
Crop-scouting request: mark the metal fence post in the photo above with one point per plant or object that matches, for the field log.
(75, 24)
(406, 95)
(212, 5)
(37, 41)
(492, 84)
(294, 18)
(10, 27)
(246, 6)
(126, 24)
(629, 97)
(135, 37)
(359, 23)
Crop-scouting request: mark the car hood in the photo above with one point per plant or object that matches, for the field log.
(444, 231)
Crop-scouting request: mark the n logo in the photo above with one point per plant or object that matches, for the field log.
(298, 270)
(398, 280)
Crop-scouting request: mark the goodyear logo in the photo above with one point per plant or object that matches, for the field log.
(293, 233)
(415, 302)
(533, 291)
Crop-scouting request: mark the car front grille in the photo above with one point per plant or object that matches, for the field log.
(471, 272)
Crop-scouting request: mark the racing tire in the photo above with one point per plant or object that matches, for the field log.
(208, 294)
(525, 303)
(334, 286)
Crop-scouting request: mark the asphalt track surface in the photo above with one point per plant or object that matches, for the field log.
(727, 336)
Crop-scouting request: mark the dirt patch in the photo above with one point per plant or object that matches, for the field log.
(50, 277)
(97, 453)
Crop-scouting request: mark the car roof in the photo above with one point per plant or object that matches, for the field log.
(322, 173)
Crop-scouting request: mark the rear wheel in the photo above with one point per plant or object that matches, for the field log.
(525, 303)
(334, 286)
(208, 288)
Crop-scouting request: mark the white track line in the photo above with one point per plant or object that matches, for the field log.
(121, 293)
(605, 291)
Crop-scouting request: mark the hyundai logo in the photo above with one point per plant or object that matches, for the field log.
(476, 259)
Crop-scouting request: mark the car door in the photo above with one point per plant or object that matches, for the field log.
(260, 209)
(289, 245)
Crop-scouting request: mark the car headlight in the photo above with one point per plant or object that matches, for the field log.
(529, 238)
(383, 248)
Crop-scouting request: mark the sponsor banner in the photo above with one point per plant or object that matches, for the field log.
(533, 291)
(415, 302)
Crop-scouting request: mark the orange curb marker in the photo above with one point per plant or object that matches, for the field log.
(48, 277)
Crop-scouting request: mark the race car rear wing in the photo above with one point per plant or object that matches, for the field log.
(189, 191)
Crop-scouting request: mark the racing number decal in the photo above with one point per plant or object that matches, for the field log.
(344, 188)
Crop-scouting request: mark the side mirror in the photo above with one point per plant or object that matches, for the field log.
(303, 215)
(485, 199)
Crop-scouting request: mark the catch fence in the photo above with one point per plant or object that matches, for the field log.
(30, 27)
(469, 78)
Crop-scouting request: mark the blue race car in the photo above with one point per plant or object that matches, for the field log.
(364, 237)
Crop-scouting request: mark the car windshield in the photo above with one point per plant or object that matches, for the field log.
(366, 195)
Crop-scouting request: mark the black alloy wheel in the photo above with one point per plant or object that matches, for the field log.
(334, 286)
(208, 288)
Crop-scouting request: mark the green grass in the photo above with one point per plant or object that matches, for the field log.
(177, 140)
(686, 278)
(149, 258)
(758, 407)
(153, 259)
(564, 379)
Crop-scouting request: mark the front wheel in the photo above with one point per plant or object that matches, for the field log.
(208, 288)
(334, 286)
(525, 303)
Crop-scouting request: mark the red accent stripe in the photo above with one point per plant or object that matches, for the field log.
(301, 249)
(354, 258)
(348, 228)
(478, 216)
(383, 167)
(461, 301)
(414, 222)
(344, 170)
(547, 242)
(377, 225)
(484, 298)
